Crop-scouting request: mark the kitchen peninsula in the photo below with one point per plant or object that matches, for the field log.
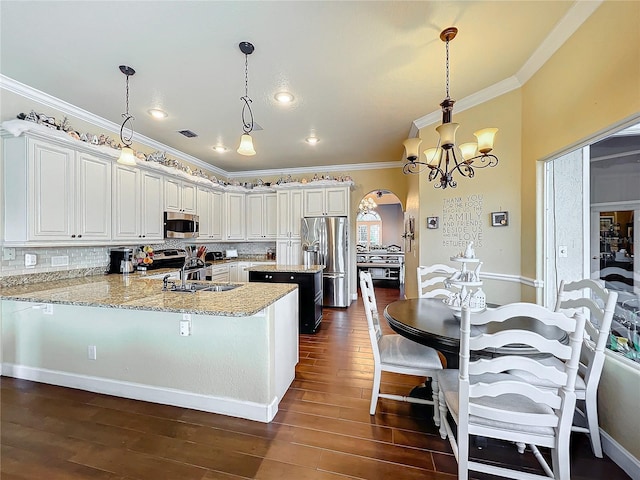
(231, 352)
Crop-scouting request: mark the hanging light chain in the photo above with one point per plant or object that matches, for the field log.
(447, 69)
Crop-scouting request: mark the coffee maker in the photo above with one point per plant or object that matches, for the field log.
(121, 260)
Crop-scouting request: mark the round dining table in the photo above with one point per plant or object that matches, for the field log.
(429, 321)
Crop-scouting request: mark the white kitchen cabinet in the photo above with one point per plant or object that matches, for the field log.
(330, 201)
(261, 216)
(289, 252)
(137, 204)
(234, 272)
(211, 214)
(56, 194)
(289, 213)
(235, 216)
(179, 196)
(218, 273)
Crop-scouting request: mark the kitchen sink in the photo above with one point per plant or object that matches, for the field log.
(202, 287)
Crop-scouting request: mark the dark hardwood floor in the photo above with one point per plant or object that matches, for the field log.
(323, 429)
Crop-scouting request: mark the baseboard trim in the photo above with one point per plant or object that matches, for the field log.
(620, 456)
(136, 391)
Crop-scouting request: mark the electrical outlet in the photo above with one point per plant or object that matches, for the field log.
(8, 253)
(185, 328)
(91, 352)
(563, 251)
(60, 261)
(30, 260)
(185, 325)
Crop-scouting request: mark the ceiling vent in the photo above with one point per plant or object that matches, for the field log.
(188, 133)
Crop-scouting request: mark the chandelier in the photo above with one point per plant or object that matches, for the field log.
(366, 205)
(447, 158)
(126, 154)
(246, 142)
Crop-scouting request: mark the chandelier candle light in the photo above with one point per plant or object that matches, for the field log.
(126, 154)
(246, 142)
(366, 205)
(443, 160)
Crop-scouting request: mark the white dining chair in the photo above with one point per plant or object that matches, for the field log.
(432, 278)
(483, 400)
(397, 354)
(598, 304)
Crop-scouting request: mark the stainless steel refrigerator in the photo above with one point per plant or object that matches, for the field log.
(326, 241)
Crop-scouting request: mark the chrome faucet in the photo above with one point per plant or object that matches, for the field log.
(189, 263)
(165, 281)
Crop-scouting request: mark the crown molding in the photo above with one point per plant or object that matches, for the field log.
(320, 168)
(567, 26)
(11, 85)
(473, 100)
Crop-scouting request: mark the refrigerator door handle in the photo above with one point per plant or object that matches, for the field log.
(334, 275)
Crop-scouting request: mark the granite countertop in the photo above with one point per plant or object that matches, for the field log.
(286, 268)
(136, 292)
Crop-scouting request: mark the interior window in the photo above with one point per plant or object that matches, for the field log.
(369, 228)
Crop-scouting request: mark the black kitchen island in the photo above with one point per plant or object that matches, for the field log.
(309, 281)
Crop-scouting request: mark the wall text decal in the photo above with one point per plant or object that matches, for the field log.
(462, 221)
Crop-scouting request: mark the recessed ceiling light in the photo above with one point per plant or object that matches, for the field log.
(220, 148)
(312, 140)
(284, 97)
(157, 113)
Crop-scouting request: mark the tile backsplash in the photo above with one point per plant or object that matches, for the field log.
(48, 259)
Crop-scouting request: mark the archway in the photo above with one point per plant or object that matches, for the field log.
(379, 237)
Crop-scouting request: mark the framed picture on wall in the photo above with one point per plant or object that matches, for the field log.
(605, 222)
(432, 222)
(499, 219)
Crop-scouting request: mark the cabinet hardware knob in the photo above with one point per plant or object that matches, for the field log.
(79, 236)
(73, 236)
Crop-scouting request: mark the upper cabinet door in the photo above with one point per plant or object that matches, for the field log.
(235, 221)
(295, 212)
(151, 214)
(270, 207)
(72, 194)
(204, 213)
(179, 196)
(52, 181)
(337, 201)
(137, 204)
(172, 194)
(255, 213)
(314, 202)
(189, 198)
(126, 202)
(332, 201)
(289, 207)
(93, 210)
(216, 228)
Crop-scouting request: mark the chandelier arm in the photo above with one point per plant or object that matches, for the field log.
(487, 160)
(464, 168)
(414, 167)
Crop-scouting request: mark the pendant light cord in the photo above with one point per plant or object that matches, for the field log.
(126, 140)
(246, 126)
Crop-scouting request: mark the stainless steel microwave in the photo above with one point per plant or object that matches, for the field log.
(181, 225)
